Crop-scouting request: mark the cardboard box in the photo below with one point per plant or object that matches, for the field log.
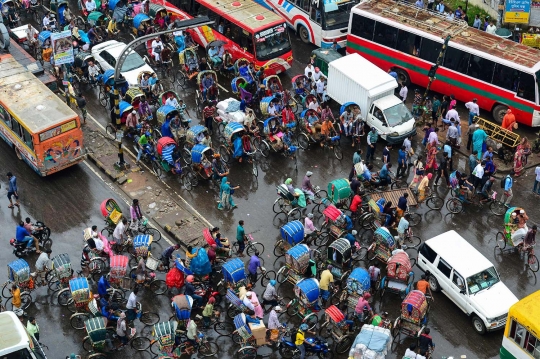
(261, 341)
(258, 330)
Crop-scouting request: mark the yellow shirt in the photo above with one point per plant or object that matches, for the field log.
(112, 27)
(326, 279)
(16, 300)
(299, 338)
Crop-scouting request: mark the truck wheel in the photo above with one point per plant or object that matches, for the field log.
(433, 284)
(498, 113)
(478, 325)
(304, 34)
(403, 76)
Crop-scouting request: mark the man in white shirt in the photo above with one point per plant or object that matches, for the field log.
(99, 243)
(171, 101)
(247, 301)
(420, 4)
(403, 92)
(314, 105)
(451, 114)
(408, 149)
(473, 108)
(131, 305)
(46, 20)
(537, 180)
(317, 74)
(478, 173)
(93, 70)
(440, 7)
(452, 134)
(90, 5)
(308, 69)
(157, 47)
(320, 87)
(42, 264)
(31, 34)
(491, 28)
(410, 353)
(120, 231)
(272, 109)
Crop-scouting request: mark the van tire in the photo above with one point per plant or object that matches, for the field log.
(403, 76)
(434, 284)
(498, 113)
(478, 325)
(303, 33)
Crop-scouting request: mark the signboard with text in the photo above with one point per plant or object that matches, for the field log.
(517, 11)
(62, 47)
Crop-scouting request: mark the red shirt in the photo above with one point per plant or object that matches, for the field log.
(211, 254)
(287, 116)
(357, 201)
(208, 112)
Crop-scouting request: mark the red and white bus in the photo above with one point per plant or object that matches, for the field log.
(500, 73)
(250, 31)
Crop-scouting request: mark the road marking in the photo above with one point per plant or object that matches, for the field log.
(223, 88)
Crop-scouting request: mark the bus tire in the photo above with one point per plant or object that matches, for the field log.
(498, 113)
(303, 33)
(404, 77)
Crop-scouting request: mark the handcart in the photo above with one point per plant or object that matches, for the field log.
(306, 304)
(399, 277)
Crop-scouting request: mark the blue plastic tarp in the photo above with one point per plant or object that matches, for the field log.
(200, 265)
(238, 147)
(374, 340)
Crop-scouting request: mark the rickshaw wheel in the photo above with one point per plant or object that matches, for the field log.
(532, 261)
(322, 239)
(221, 127)
(185, 181)
(396, 184)
(497, 208)
(415, 219)
(224, 328)
(303, 141)
(224, 153)
(156, 235)
(80, 22)
(267, 277)
(149, 318)
(71, 306)
(77, 320)
(286, 352)
(500, 241)
(344, 345)
(435, 203)
(194, 179)
(337, 152)
(282, 275)
(292, 308)
(97, 356)
(158, 287)
(54, 284)
(371, 255)
(236, 338)
(255, 246)
(140, 343)
(360, 254)
(454, 205)
(207, 349)
(255, 169)
(63, 297)
(246, 353)
(278, 205)
(264, 148)
(87, 344)
(186, 155)
(181, 79)
(324, 331)
(278, 249)
(294, 214)
(233, 311)
(103, 99)
(327, 355)
(156, 168)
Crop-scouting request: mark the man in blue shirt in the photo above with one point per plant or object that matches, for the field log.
(102, 286)
(402, 205)
(351, 238)
(166, 128)
(207, 82)
(253, 266)
(189, 289)
(240, 238)
(402, 162)
(13, 190)
(392, 72)
(23, 236)
(383, 174)
(508, 182)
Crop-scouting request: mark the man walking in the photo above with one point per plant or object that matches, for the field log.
(473, 108)
(372, 138)
(402, 162)
(443, 170)
(537, 180)
(13, 190)
(508, 182)
(240, 237)
(472, 127)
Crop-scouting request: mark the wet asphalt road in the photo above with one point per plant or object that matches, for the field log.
(69, 201)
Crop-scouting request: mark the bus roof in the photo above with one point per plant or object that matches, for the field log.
(244, 13)
(527, 312)
(438, 25)
(32, 103)
(14, 336)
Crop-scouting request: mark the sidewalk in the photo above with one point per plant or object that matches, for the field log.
(169, 211)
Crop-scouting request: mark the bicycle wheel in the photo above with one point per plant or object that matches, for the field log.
(396, 184)
(344, 345)
(71, 305)
(500, 240)
(63, 297)
(303, 141)
(87, 344)
(435, 202)
(311, 320)
(207, 349)
(185, 181)
(279, 251)
(267, 277)
(246, 353)
(233, 311)
(77, 320)
(292, 308)
(454, 205)
(255, 246)
(156, 235)
(156, 168)
(149, 318)
(111, 131)
(287, 352)
(224, 328)
(337, 152)
(497, 208)
(140, 343)
(278, 205)
(158, 287)
(282, 275)
(322, 239)
(54, 284)
(26, 301)
(360, 253)
(414, 219)
(532, 262)
(103, 99)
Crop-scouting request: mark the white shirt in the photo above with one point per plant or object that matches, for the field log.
(99, 243)
(309, 69)
(317, 75)
(42, 261)
(479, 171)
(272, 110)
(403, 93)
(171, 101)
(411, 354)
(537, 172)
(132, 301)
(247, 303)
(30, 33)
(119, 230)
(407, 144)
(452, 114)
(156, 44)
(314, 105)
(472, 107)
(491, 29)
(46, 21)
(320, 86)
(93, 70)
(374, 272)
(90, 5)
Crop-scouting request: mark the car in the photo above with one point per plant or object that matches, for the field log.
(468, 279)
(108, 52)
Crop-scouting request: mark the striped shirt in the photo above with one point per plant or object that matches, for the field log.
(208, 112)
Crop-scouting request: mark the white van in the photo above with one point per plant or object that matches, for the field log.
(15, 342)
(468, 278)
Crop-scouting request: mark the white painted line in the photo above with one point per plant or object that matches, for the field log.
(223, 88)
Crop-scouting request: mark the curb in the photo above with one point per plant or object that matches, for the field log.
(101, 166)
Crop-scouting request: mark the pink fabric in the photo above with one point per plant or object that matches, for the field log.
(259, 312)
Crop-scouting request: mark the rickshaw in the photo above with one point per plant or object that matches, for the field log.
(134, 96)
(382, 246)
(57, 7)
(188, 62)
(292, 234)
(249, 336)
(106, 84)
(456, 203)
(238, 84)
(201, 163)
(513, 236)
(238, 145)
(275, 142)
(82, 7)
(111, 211)
(122, 12)
(141, 245)
(323, 57)
(99, 340)
(299, 83)
(339, 193)
(118, 275)
(413, 317)
(80, 301)
(358, 282)
(140, 20)
(241, 68)
(19, 273)
(265, 102)
(272, 84)
(168, 157)
(165, 334)
(339, 256)
(161, 115)
(157, 12)
(308, 133)
(191, 141)
(286, 203)
(79, 69)
(96, 18)
(61, 272)
(339, 328)
(334, 222)
(298, 264)
(399, 277)
(124, 110)
(236, 305)
(371, 342)
(211, 95)
(234, 275)
(44, 41)
(223, 252)
(306, 303)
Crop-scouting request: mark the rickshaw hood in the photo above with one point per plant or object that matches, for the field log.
(495, 301)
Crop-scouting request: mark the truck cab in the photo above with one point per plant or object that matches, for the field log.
(392, 119)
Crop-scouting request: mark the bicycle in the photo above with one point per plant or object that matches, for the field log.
(432, 200)
(251, 246)
(531, 261)
(265, 276)
(142, 227)
(455, 204)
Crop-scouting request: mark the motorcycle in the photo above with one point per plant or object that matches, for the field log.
(41, 232)
(314, 346)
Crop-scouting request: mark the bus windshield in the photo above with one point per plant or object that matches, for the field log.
(271, 43)
(336, 14)
(397, 114)
(482, 280)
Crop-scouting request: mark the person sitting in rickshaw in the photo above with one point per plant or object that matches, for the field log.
(157, 48)
(287, 139)
(327, 132)
(287, 116)
(93, 71)
(228, 62)
(206, 140)
(144, 110)
(290, 187)
(141, 31)
(213, 55)
(145, 85)
(108, 313)
(522, 219)
(171, 101)
(177, 166)
(203, 64)
(390, 214)
(300, 90)
(273, 130)
(245, 72)
(274, 87)
(362, 309)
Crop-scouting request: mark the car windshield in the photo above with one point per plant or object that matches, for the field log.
(272, 43)
(336, 16)
(482, 280)
(133, 61)
(397, 114)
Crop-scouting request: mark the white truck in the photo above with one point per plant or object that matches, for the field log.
(352, 78)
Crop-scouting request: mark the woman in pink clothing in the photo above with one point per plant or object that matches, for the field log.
(259, 312)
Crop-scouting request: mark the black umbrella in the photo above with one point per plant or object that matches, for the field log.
(216, 43)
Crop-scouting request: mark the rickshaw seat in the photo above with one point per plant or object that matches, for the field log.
(278, 135)
(115, 216)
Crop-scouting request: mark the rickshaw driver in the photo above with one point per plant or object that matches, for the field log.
(132, 123)
(270, 295)
(384, 177)
(324, 282)
(351, 237)
(93, 71)
(207, 83)
(423, 286)
(218, 168)
(361, 304)
(425, 342)
(166, 127)
(145, 85)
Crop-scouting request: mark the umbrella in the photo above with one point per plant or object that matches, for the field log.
(216, 43)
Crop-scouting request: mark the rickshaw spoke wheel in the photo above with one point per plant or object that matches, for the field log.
(267, 277)
(396, 184)
(303, 141)
(312, 321)
(156, 168)
(87, 344)
(337, 152)
(140, 343)
(292, 309)
(278, 249)
(77, 320)
(435, 203)
(158, 286)
(259, 247)
(415, 219)
(246, 353)
(532, 262)
(454, 205)
(371, 255)
(233, 312)
(497, 208)
(322, 239)
(283, 275)
(324, 331)
(224, 328)
(265, 149)
(413, 241)
(71, 305)
(208, 349)
(360, 253)
(294, 214)
(344, 345)
(278, 205)
(63, 297)
(501, 241)
(186, 155)
(54, 284)
(156, 235)
(286, 352)
(149, 318)
(236, 338)
(193, 179)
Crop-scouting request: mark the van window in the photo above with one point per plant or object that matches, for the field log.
(444, 267)
(428, 253)
(19, 354)
(5, 116)
(458, 280)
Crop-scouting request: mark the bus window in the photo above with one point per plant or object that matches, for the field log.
(5, 116)
(363, 27)
(385, 35)
(480, 68)
(456, 60)
(526, 87)
(409, 43)
(315, 14)
(27, 138)
(16, 127)
(505, 77)
(336, 15)
(430, 50)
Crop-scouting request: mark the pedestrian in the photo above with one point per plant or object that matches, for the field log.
(440, 7)
(408, 149)
(81, 104)
(403, 92)
(452, 134)
(473, 108)
(16, 300)
(491, 28)
(13, 190)
(33, 328)
(435, 110)
(402, 205)
(433, 137)
(392, 72)
(477, 22)
(418, 172)
(240, 238)
(518, 161)
(478, 173)
(402, 228)
(443, 170)
(402, 162)
(428, 129)
(273, 323)
(209, 112)
(372, 138)
(374, 273)
(508, 119)
(424, 183)
(444, 107)
(386, 153)
(478, 139)
(473, 161)
(537, 180)
(131, 306)
(357, 157)
(430, 4)
(431, 157)
(207, 312)
(253, 267)
(508, 195)
(121, 330)
(472, 128)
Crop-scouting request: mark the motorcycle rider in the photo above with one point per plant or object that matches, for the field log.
(300, 339)
(22, 235)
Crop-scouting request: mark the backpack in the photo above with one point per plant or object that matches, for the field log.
(503, 182)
